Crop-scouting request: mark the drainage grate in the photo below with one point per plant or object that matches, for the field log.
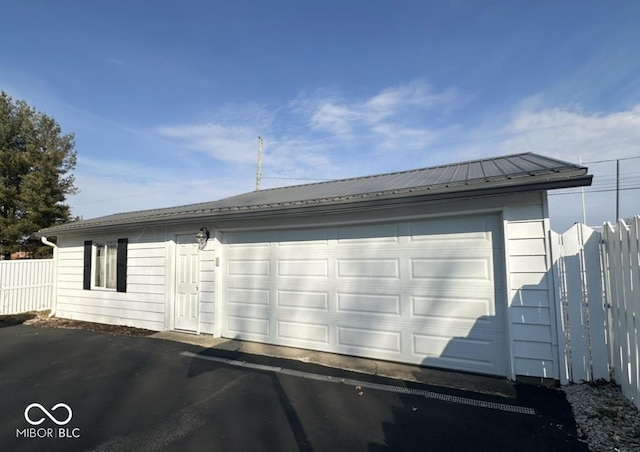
(376, 386)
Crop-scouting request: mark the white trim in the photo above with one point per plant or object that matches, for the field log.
(394, 219)
(219, 279)
(169, 277)
(511, 365)
(557, 334)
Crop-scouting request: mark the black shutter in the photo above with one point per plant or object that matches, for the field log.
(121, 275)
(86, 276)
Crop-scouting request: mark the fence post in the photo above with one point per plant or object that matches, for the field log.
(561, 326)
(634, 299)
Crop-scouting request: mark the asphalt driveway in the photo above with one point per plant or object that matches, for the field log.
(133, 393)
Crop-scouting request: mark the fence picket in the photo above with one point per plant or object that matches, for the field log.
(634, 302)
(25, 285)
(628, 345)
(617, 295)
(572, 271)
(596, 313)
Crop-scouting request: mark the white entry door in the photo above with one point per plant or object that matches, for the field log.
(186, 299)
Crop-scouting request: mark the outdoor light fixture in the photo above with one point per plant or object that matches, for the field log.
(202, 237)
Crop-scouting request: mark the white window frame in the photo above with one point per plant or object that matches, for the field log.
(106, 269)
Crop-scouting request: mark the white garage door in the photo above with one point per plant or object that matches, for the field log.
(423, 292)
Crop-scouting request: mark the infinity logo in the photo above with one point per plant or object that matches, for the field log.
(48, 414)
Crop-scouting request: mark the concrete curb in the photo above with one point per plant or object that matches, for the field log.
(455, 380)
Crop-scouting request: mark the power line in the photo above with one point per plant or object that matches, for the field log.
(594, 191)
(612, 160)
(296, 178)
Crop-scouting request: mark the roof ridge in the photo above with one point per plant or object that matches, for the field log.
(392, 173)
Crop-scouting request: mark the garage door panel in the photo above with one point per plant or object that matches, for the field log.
(299, 299)
(468, 229)
(304, 237)
(248, 296)
(424, 292)
(248, 326)
(376, 233)
(457, 352)
(456, 308)
(303, 331)
(303, 267)
(350, 338)
(249, 267)
(458, 268)
(368, 268)
(368, 303)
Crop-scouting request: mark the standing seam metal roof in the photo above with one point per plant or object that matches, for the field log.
(505, 171)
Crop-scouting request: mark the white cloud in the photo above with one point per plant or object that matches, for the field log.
(385, 115)
(568, 134)
(234, 144)
(107, 191)
(416, 94)
(230, 137)
(574, 135)
(326, 136)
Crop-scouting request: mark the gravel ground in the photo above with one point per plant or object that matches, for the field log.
(42, 319)
(606, 420)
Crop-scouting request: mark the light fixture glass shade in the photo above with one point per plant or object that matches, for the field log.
(202, 236)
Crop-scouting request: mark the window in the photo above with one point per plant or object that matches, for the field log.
(105, 265)
(105, 273)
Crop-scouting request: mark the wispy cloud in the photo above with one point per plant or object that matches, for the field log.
(569, 133)
(327, 135)
(303, 136)
(385, 115)
(229, 137)
(226, 143)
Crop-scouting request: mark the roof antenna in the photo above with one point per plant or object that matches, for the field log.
(259, 171)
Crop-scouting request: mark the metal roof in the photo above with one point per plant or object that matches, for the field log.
(511, 173)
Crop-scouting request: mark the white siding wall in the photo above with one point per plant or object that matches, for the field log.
(207, 288)
(531, 314)
(532, 339)
(142, 305)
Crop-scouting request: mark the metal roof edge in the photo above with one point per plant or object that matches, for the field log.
(416, 194)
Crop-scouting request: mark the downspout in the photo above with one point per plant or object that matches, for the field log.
(54, 289)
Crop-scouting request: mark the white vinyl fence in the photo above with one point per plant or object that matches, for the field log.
(622, 285)
(577, 277)
(597, 288)
(25, 285)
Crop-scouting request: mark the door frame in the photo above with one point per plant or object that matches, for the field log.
(174, 285)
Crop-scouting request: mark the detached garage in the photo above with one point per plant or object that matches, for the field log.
(445, 266)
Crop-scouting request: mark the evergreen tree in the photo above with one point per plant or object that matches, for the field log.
(36, 161)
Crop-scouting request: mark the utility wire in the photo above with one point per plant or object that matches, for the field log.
(612, 160)
(594, 191)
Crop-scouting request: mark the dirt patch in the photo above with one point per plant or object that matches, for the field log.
(16, 319)
(41, 319)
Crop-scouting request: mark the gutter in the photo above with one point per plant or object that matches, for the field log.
(54, 289)
(350, 203)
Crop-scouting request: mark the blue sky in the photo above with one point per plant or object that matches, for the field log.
(167, 98)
